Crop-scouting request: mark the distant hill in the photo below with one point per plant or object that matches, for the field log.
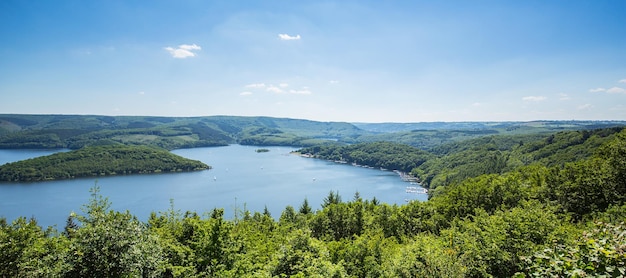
(430, 135)
(505, 126)
(76, 131)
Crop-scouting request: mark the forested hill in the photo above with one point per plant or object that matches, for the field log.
(386, 155)
(430, 135)
(523, 127)
(457, 161)
(76, 131)
(98, 161)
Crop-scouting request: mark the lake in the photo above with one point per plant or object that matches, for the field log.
(240, 178)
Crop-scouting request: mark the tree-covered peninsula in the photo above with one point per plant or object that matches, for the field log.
(454, 162)
(98, 161)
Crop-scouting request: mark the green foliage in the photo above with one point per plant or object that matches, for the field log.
(492, 244)
(385, 155)
(98, 161)
(594, 184)
(303, 256)
(365, 255)
(111, 244)
(338, 221)
(426, 255)
(172, 231)
(305, 208)
(505, 153)
(28, 251)
(214, 246)
(598, 253)
(488, 192)
(333, 198)
(427, 139)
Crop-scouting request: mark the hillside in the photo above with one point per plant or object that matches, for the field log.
(431, 135)
(454, 162)
(76, 131)
(523, 127)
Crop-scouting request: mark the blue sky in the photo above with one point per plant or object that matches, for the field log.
(357, 61)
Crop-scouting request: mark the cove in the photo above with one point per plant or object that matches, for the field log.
(240, 178)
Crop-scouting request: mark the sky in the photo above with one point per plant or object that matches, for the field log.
(352, 61)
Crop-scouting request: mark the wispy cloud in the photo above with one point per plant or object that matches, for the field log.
(612, 90)
(274, 89)
(286, 37)
(534, 98)
(585, 106)
(183, 50)
(334, 82)
(616, 90)
(281, 88)
(563, 96)
(245, 93)
(303, 91)
(255, 85)
(597, 90)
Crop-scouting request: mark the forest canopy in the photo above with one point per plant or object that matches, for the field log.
(454, 162)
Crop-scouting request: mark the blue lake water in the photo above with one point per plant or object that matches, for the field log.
(239, 177)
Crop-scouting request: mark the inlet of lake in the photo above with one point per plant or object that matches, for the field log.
(240, 178)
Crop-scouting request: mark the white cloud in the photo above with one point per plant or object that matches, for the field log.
(622, 81)
(616, 90)
(597, 90)
(281, 88)
(585, 107)
(255, 85)
(245, 93)
(274, 89)
(142, 93)
(334, 82)
(563, 96)
(534, 98)
(183, 50)
(285, 37)
(304, 91)
(476, 104)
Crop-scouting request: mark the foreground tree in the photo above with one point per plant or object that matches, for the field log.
(111, 244)
(28, 251)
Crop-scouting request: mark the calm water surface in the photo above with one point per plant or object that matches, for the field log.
(240, 177)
